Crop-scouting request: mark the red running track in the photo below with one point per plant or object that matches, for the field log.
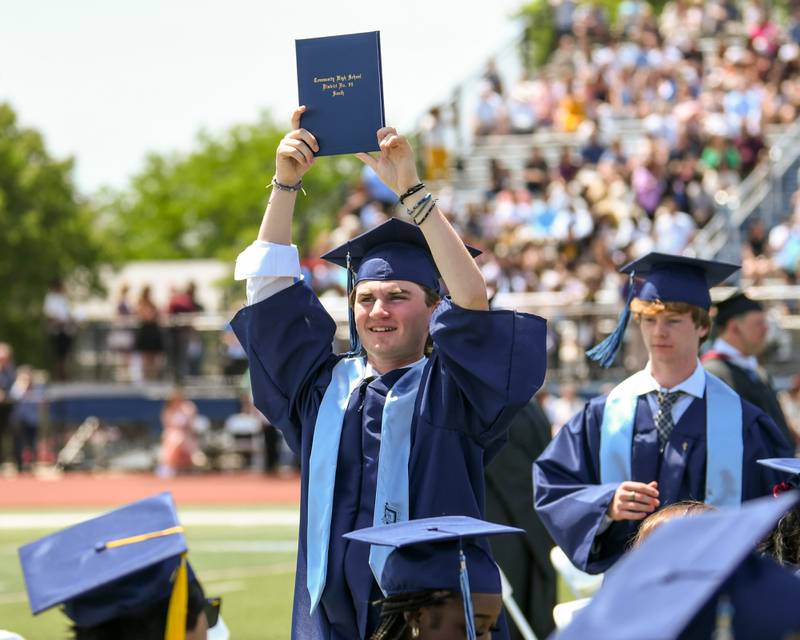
(111, 490)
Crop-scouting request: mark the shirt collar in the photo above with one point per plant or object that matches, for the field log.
(369, 372)
(734, 355)
(694, 385)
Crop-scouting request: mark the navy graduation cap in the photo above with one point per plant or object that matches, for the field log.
(666, 278)
(115, 565)
(394, 250)
(438, 553)
(697, 574)
(736, 305)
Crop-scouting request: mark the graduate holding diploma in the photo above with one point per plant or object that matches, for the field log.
(402, 426)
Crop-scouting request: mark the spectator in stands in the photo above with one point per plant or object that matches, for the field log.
(673, 230)
(433, 131)
(784, 241)
(148, 342)
(565, 405)
(179, 447)
(186, 346)
(567, 166)
(58, 315)
(26, 416)
(499, 178)
(122, 335)
(537, 172)
(8, 375)
(492, 76)
(234, 356)
(592, 150)
(490, 116)
(571, 110)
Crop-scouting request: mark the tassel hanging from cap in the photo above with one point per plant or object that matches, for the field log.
(355, 343)
(178, 604)
(606, 351)
(466, 595)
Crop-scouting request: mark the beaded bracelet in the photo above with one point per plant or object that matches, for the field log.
(286, 187)
(411, 191)
(419, 206)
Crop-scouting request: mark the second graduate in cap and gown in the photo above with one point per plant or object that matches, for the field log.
(393, 431)
(648, 443)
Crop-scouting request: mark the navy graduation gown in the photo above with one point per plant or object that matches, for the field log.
(572, 503)
(485, 366)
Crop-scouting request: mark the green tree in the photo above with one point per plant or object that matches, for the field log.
(47, 233)
(209, 202)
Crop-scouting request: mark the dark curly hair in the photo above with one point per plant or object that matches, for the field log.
(783, 543)
(393, 623)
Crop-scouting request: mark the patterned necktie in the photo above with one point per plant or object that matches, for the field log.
(664, 423)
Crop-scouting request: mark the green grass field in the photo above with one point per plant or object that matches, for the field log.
(250, 567)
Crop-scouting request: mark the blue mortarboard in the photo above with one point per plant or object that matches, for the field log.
(666, 278)
(438, 553)
(394, 250)
(115, 565)
(694, 574)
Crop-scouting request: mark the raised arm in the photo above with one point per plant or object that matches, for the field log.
(295, 156)
(396, 168)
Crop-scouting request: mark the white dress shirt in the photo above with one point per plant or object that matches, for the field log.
(735, 356)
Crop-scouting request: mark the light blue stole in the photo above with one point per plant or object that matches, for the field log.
(724, 445)
(391, 494)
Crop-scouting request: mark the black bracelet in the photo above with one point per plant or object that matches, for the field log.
(422, 218)
(411, 191)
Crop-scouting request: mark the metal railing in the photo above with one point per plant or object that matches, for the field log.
(765, 191)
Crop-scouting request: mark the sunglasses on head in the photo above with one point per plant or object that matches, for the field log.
(211, 609)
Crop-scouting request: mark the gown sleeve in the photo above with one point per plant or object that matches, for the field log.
(485, 366)
(569, 498)
(762, 439)
(288, 338)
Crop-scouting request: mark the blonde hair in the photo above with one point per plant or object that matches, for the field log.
(676, 510)
(640, 308)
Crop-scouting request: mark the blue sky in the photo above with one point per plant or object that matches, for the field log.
(108, 81)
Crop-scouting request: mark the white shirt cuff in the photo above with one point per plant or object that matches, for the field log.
(267, 259)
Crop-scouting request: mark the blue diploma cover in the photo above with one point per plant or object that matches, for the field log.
(339, 81)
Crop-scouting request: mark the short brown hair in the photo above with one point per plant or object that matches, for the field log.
(676, 510)
(641, 308)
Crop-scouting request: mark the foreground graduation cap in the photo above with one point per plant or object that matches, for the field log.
(116, 565)
(736, 305)
(394, 250)
(666, 278)
(694, 574)
(438, 553)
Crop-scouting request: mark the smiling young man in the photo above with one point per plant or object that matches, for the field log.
(402, 426)
(668, 433)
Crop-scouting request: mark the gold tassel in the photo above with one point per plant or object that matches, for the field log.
(178, 604)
